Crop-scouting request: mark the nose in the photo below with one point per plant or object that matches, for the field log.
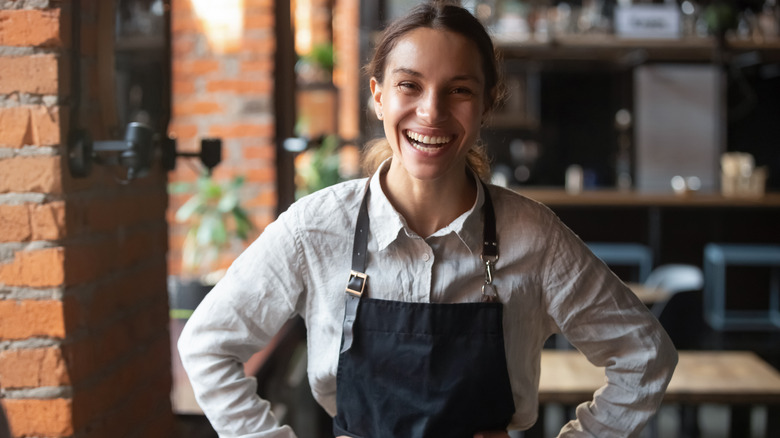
(432, 107)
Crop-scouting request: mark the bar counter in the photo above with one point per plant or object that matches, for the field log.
(609, 197)
(676, 227)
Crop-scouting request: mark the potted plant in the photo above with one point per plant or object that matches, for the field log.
(215, 220)
(318, 167)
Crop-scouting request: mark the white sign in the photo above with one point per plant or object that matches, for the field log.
(647, 21)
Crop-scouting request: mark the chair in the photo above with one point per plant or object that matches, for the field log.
(717, 258)
(673, 278)
(681, 316)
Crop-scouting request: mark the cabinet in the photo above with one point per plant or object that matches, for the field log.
(566, 94)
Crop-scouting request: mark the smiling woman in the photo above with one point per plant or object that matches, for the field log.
(434, 335)
(451, 21)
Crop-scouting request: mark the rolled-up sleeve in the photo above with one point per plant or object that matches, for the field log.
(238, 318)
(603, 319)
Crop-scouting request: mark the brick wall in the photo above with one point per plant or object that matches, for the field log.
(225, 92)
(84, 347)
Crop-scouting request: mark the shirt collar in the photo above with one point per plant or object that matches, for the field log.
(468, 226)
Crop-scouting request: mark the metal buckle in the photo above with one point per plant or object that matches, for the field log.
(356, 283)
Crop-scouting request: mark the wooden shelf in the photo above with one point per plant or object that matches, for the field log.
(612, 48)
(559, 197)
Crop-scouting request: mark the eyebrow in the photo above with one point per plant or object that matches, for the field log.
(415, 73)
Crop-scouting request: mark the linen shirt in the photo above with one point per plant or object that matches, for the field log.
(546, 278)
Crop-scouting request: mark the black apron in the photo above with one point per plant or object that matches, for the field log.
(416, 370)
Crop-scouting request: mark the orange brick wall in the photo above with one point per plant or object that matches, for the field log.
(225, 94)
(84, 345)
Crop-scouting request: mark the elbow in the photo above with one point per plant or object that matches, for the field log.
(667, 356)
(183, 345)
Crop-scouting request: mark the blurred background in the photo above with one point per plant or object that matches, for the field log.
(145, 143)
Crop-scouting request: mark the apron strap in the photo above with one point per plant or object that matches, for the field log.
(490, 242)
(356, 284)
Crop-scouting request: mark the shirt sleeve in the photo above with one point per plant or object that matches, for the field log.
(239, 317)
(603, 319)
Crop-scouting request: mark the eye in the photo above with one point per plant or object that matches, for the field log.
(462, 90)
(407, 87)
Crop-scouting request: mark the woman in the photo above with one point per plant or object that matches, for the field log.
(453, 285)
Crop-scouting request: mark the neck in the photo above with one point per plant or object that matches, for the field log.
(429, 205)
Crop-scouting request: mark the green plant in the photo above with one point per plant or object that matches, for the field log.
(322, 56)
(319, 167)
(215, 219)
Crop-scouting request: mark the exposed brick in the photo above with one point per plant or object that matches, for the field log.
(239, 130)
(30, 27)
(261, 152)
(27, 318)
(182, 130)
(261, 175)
(251, 4)
(47, 221)
(258, 66)
(34, 367)
(183, 87)
(258, 86)
(199, 67)
(51, 418)
(29, 125)
(195, 108)
(264, 199)
(266, 44)
(183, 25)
(36, 268)
(14, 223)
(182, 46)
(179, 7)
(35, 74)
(41, 174)
(259, 19)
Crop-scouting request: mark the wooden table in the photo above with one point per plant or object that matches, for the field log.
(723, 377)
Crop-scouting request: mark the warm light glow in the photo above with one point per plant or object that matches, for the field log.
(223, 23)
(302, 13)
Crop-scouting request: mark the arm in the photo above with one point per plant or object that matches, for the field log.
(603, 319)
(236, 319)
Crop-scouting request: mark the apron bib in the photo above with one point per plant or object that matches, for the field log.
(421, 369)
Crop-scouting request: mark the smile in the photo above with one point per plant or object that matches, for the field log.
(427, 143)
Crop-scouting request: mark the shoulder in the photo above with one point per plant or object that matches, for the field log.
(337, 203)
(511, 205)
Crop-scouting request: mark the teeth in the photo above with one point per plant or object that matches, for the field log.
(428, 139)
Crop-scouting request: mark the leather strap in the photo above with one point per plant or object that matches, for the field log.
(489, 240)
(357, 282)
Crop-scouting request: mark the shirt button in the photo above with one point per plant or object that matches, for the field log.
(425, 257)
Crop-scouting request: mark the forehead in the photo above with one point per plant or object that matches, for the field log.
(436, 53)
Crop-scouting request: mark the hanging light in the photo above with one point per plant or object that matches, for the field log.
(223, 23)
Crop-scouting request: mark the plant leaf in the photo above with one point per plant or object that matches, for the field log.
(185, 212)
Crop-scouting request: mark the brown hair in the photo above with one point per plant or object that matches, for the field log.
(444, 16)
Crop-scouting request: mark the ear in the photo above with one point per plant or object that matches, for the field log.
(376, 94)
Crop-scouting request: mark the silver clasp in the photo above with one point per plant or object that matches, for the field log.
(489, 293)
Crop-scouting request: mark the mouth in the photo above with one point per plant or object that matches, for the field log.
(427, 143)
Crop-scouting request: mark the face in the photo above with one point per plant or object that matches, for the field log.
(431, 102)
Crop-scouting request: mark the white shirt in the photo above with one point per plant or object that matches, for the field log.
(546, 277)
